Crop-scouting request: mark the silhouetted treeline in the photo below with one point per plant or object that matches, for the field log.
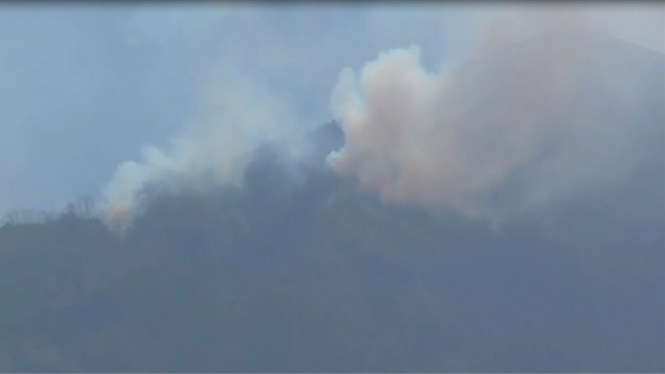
(321, 277)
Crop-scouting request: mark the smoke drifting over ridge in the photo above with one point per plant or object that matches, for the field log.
(238, 115)
(533, 117)
(538, 111)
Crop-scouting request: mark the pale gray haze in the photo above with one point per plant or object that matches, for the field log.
(99, 99)
(300, 187)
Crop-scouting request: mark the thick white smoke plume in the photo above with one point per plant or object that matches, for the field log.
(238, 114)
(536, 112)
(532, 116)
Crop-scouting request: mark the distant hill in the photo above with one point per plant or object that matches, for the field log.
(318, 276)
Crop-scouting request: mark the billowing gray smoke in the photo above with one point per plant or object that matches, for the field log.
(544, 106)
(520, 125)
(238, 115)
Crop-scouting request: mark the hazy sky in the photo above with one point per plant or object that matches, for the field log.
(83, 89)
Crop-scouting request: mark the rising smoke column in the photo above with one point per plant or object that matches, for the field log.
(520, 125)
(237, 116)
(528, 119)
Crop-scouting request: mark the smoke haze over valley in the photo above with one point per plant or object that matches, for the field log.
(333, 188)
